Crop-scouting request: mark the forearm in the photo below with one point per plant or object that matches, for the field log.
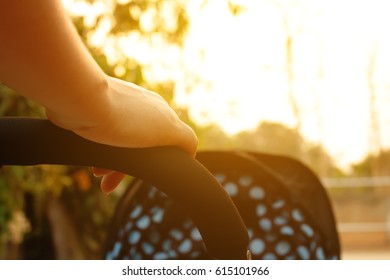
(43, 58)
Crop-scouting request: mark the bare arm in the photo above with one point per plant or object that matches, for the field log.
(43, 58)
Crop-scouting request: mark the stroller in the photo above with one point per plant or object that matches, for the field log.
(223, 205)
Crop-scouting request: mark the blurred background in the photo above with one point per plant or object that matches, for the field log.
(306, 79)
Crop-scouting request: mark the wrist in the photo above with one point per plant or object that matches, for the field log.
(89, 110)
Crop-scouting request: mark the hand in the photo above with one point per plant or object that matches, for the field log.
(110, 179)
(138, 118)
(76, 93)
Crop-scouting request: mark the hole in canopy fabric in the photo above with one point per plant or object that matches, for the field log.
(156, 228)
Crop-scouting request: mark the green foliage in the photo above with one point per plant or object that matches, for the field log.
(167, 19)
(90, 210)
(7, 203)
(12, 104)
(15, 180)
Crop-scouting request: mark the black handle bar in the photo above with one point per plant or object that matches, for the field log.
(26, 141)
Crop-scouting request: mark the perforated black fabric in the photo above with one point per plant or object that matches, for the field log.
(279, 227)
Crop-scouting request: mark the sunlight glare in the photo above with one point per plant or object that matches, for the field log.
(233, 70)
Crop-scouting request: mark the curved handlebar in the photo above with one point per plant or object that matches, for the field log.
(26, 141)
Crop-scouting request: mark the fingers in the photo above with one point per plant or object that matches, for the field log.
(186, 139)
(193, 142)
(111, 179)
(98, 172)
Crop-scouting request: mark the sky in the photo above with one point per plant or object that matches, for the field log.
(232, 69)
(244, 60)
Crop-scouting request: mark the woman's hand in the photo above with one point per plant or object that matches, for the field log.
(137, 118)
(110, 179)
(59, 73)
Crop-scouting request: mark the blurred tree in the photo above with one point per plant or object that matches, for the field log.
(212, 137)
(321, 162)
(380, 160)
(273, 138)
(280, 139)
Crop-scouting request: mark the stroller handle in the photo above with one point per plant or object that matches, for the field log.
(29, 141)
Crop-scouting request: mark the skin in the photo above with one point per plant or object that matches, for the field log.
(43, 59)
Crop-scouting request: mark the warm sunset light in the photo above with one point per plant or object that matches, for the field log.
(195, 130)
(234, 70)
(244, 60)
